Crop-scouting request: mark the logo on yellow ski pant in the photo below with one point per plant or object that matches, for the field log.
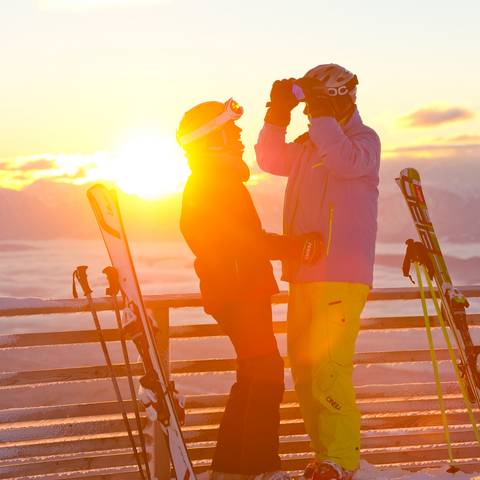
(323, 324)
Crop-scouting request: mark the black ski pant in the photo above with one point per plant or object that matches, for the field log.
(248, 435)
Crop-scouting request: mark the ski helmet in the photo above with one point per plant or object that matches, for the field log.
(204, 119)
(336, 79)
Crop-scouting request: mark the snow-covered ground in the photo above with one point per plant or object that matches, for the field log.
(370, 472)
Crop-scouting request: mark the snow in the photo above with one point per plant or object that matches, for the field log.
(31, 303)
(370, 472)
(8, 302)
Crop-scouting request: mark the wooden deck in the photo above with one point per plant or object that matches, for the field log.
(62, 421)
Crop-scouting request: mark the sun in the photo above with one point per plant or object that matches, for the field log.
(149, 166)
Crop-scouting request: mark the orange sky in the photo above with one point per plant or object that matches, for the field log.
(94, 89)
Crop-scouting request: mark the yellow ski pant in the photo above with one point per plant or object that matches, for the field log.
(323, 324)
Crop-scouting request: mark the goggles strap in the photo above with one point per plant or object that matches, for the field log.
(352, 83)
(217, 122)
(227, 115)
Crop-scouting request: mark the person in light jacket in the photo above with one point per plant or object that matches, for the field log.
(333, 176)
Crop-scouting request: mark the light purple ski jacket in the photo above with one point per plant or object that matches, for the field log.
(333, 176)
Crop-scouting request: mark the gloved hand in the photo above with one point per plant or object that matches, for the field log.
(343, 106)
(282, 102)
(307, 248)
(313, 247)
(319, 103)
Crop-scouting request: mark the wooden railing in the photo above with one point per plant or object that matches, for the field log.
(60, 419)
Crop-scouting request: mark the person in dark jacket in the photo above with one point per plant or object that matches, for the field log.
(222, 228)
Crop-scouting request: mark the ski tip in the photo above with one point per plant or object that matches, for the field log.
(95, 190)
(97, 186)
(407, 174)
(98, 190)
(410, 173)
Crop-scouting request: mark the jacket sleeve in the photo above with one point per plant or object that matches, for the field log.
(274, 246)
(216, 229)
(247, 236)
(274, 154)
(344, 156)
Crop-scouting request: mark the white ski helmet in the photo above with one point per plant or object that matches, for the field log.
(336, 79)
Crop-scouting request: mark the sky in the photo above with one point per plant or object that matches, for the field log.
(95, 89)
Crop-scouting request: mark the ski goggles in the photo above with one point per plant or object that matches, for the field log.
(331, 91)
(344, 89)
(232, 111)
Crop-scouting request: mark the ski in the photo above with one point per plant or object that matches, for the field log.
(453, 302)
(156, 391)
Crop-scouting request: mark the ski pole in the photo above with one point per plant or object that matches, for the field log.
(461, 383)
(436, 373)
(80, 274)
(112, 291)
(418, 254)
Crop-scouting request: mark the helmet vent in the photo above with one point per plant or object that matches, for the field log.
(333, 76)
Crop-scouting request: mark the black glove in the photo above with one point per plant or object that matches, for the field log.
(343, 106)
(312, 247)
(282, 102)
(319, 103)
(306, 248)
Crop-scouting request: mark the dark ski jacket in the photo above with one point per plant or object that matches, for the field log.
(222, 228)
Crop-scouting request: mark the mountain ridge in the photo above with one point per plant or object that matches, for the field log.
(47, 209)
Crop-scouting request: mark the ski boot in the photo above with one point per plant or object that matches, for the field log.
(275, 475)
(326, 470)
(214, 475)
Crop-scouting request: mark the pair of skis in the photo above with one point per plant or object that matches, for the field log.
(453, 302)
(450, 304)
(156, 392)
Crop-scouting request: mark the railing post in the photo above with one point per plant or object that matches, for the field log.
(157, 447)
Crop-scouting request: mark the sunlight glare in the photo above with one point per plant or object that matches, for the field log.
(147, 165)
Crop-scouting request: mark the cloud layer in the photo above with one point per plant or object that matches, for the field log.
(430, 117)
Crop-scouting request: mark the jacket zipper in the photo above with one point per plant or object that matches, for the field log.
(330, 226)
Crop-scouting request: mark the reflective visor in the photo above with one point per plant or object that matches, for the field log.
(233, 111)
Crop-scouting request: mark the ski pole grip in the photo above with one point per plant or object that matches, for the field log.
(81, 275)
(112, 278)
